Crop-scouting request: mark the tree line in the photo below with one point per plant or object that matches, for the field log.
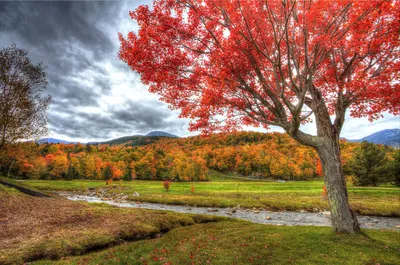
(257, 155)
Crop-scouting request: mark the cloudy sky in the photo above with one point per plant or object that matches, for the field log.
(96, 96)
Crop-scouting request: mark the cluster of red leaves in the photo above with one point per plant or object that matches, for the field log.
(324, 192)
(214, 59)
(166, 185)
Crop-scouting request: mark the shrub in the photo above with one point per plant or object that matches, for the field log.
(166, 185)
(324, 192)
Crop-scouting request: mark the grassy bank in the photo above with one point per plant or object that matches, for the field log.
(247, 243)
(47, 229)
(33, 228)
(225, 192)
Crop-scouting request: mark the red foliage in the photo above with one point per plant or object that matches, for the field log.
(254, 62)
(324, 191)
(49, 158)
(117, 173)
(229, 64)
(27, 166)
(318, 168)
(166, 185)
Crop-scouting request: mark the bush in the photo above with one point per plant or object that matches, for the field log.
(166, 185)
(324, 193)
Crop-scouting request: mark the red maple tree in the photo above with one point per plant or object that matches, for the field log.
(231, 63)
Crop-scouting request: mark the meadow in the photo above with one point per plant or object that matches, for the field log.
(58, 231)
(33, 228)
(239, 242)
(226, 191)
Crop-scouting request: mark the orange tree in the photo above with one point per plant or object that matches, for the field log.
(231, 63)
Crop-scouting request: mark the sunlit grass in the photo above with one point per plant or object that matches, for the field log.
(295, 195)
(77, 230)
(247, 243)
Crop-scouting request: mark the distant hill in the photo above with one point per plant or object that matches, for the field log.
(138, 140)
(54, 141)
(387, 137)
(119, 140)
(133, 140)
(160, 133)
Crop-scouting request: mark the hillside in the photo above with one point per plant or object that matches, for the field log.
(54, 141)
(133, 140)
(139, 140)
(252, 154)
(256, 155)
(389, 137)
(160, 133)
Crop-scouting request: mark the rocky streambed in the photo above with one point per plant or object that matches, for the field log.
(256, 216)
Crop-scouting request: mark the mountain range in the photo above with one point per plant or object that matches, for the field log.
(134, 140)
(54, 141)
(389, 137)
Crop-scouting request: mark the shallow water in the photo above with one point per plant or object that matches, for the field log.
(261, 217)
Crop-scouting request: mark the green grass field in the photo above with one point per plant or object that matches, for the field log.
(225, 192)
(247, 243)
(54, 230)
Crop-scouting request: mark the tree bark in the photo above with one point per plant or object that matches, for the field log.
(343, 218)
(9, 169)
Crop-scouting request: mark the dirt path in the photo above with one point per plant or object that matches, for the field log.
(262, 217)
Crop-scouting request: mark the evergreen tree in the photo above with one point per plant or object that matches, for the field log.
(395, 168)
(370, 165)
(107, 173)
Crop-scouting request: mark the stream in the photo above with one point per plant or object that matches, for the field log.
(255, 216)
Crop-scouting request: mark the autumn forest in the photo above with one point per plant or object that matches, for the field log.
(255, 155)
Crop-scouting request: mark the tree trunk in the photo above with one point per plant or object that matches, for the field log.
(9, 169)
(343, 218)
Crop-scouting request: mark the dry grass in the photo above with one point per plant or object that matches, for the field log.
(33, 228)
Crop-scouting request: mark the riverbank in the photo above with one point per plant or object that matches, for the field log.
(273, 196)
(33, 228)
(282, 218)
(50, 230)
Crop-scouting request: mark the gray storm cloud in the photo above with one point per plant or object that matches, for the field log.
(76, 40)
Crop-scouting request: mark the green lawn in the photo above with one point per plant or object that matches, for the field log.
(40, 229)
(247, 243)
(225, 192)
